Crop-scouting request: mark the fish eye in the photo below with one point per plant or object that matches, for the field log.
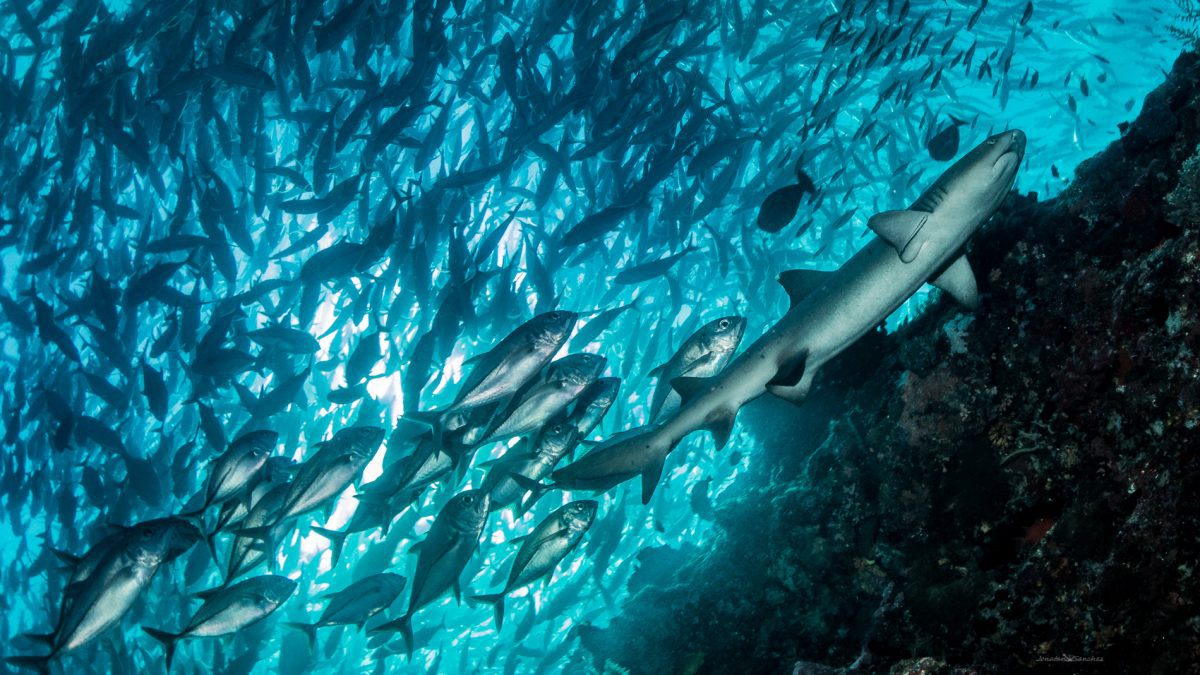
(991, 141)
(468, 499)
(723, 323)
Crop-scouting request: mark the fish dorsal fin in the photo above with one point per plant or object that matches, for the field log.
(650, 479)
(720, 425)
(689, 387)
(901, 229)
(800, 283)
(958, 280)
(657, 371)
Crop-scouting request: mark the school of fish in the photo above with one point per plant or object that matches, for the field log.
(338, 312)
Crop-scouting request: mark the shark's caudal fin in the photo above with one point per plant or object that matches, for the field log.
(901, 229)
(958, 281)
(496, 600)
(719, 422)
(337, 540)
(168, 640)
(309, 630)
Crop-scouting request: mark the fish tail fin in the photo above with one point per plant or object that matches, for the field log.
(428, 418)
(43, 638)
(68, 559)
(496, 600)
(168, 641)
(309, 630)
(535, 488)
(39, 663)
(211, 540)
(337, 540)
(404, 626)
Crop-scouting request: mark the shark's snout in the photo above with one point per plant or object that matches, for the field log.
(1017, 141)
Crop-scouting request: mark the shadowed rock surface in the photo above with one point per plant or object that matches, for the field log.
(987, 492)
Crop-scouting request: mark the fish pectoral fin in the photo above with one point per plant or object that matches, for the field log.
(689, 387)
(703, 363)
(800, 283)
(720, 425)
(958, 280)
(901, 229)
(650, 479)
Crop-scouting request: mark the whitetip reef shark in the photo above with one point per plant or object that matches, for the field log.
(829, 312)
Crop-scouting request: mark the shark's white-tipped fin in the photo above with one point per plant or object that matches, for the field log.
(958, 280)
(901, 229)
(800, 283)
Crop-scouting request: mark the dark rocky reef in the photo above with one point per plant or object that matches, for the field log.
(994, 492)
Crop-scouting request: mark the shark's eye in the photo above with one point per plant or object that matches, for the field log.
(991, 141)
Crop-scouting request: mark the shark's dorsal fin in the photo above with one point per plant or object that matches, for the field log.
(958, 280)
(689, 387)
(901, 229)
(650, 479)
(800, 283)
(720, 425)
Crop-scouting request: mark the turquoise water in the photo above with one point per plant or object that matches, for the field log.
(736, 108)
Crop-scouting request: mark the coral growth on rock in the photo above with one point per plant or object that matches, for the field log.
(984, 494)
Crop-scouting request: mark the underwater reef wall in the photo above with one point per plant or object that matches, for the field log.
(993, 492)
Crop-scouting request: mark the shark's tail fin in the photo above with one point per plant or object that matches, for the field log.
(168, 640)
(337, 541)
(496, 600)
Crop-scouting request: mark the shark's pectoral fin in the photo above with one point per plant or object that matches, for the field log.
(650, 479)
(901, 229)
(689, 387)
(791, 372)
(720, 425)
(958, 280)
(795, 393)
(800, 283)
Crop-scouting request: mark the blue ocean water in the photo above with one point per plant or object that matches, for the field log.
(204, 153)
